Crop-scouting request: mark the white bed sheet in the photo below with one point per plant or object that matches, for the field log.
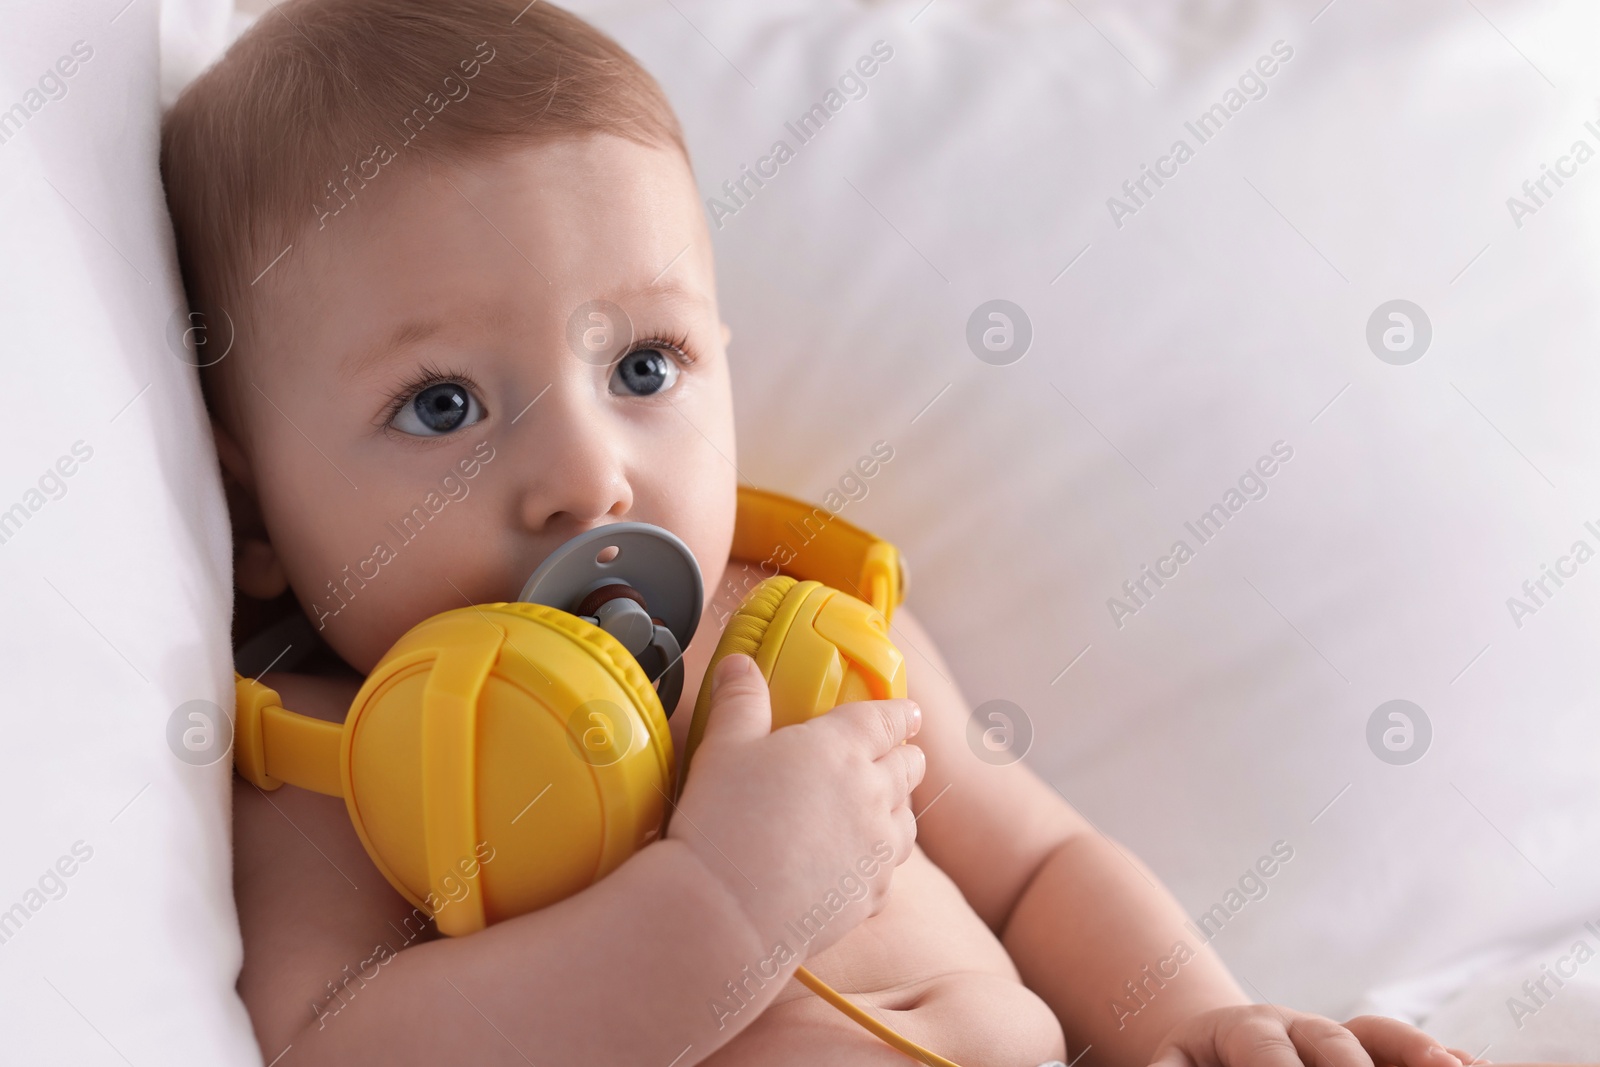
(1169, 353)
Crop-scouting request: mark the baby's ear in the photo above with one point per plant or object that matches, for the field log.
(256, 568)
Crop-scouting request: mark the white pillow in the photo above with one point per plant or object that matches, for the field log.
(1227, 313)
(118, 937)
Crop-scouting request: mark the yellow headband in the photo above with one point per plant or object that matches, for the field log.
(812, 543)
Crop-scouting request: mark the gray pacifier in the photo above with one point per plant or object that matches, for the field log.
(647, 594)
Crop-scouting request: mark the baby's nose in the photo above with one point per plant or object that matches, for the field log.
(576, 484)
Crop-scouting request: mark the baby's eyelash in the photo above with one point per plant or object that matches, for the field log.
(677, 342)
(427, 375)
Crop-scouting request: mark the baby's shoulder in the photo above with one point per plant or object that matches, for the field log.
(310, 815)
(321, 696)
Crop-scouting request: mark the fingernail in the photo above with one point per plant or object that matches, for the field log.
(916, 719)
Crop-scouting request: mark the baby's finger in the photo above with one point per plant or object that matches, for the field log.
(1324, 1043)
(906, 764)
(1172, 1056)
(1261, 1041)
(1392, 1042)
(906, 823)
(1465, 1057)
(876, 726)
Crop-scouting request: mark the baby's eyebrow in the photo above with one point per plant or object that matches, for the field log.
(669, 292)
(409, 332)
(414, 331)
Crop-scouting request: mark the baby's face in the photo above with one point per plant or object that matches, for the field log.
(422, 426)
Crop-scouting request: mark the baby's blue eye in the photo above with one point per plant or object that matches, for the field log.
(644, 372)
(438, 409)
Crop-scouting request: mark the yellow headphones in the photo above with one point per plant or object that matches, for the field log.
(532, 730)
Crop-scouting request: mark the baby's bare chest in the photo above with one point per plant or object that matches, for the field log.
(927, 929)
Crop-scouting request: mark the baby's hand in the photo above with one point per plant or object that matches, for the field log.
(1264, 1035)
(785, 818)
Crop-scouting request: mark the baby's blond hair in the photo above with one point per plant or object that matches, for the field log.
(321, 97)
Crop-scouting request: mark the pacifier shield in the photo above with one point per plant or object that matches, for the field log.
(648, 558)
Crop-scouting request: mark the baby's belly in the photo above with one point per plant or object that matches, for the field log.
(925, 966)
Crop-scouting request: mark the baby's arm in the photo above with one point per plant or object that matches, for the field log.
(1079, 915)
(620, 973)
(612, 975)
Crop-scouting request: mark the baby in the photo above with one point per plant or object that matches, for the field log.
(392, 217)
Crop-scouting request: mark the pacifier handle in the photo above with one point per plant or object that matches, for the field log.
(648, 594)
(668, 656)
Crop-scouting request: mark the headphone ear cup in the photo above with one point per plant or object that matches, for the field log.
(502, 757)
(744, 633)
(817, 648)
(748, 627)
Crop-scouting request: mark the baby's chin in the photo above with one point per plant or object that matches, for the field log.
(357, 636)
(348, 648)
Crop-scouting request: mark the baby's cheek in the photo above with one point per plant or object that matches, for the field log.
(362, 602)
(703, 500)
